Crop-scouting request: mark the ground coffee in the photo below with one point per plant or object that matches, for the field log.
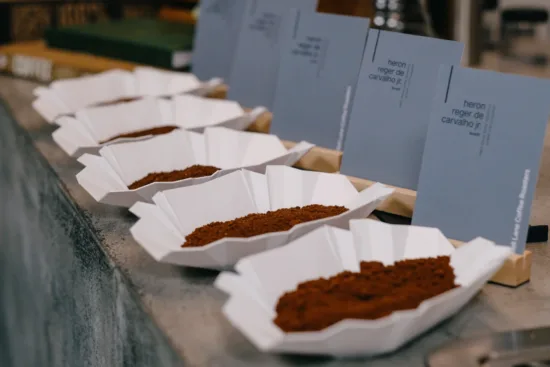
(260, 223)
(374, 292)
(116, 101)
(190, 172)
(159, 130)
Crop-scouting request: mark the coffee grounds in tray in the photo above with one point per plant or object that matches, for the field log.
(116, 101)
(374, 292)
(159, 130)
(260, 223)
(190, 172)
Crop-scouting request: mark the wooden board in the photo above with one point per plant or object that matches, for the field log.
(400, 203)
(358, 8)
(219, 93)
(262, 123)
(318, 159)
(514, 272)
(173, 14)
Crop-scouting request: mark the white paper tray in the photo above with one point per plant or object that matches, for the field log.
(65, 97)
(85, 132)
(107, 176)
(261, 279)
(176, 213)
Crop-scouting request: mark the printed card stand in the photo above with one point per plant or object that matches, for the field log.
(515, 271)
(311, 62)
(254, 69)
(389, 120)
(315, 84)
(400, 203)
(216, 37)
(481, 160)
(391, 108)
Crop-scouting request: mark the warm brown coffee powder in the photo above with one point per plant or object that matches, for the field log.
(159, 130)
(116, 101)
(260, 223)
(190, 172)
(374, 292)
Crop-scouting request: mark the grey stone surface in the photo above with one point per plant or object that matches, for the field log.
(78, 291)
(63, 302)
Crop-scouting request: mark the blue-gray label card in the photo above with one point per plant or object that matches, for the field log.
(391, 108)
(254, 70)
(482, 155)
(216, 37)
(321, 57)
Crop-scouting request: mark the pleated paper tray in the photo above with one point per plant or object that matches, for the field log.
(107, 176)
(65, 97)
(91, 127)
(163, 225)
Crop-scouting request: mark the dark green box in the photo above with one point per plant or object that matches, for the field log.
(145, 41)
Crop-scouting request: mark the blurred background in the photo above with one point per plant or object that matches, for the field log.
(45, 40)
(506, 35)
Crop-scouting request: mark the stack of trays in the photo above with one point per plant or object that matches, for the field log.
(313, 276)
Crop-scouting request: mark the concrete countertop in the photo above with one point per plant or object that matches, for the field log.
(187, 308)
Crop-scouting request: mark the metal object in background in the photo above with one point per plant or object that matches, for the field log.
(432, 18)
(408, 16)
(390, 14)
(521, 348)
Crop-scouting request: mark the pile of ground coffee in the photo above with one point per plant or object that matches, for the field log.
(159, 130)
(116, 101)
(374, 292)
(190, 172)
(260, 223)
